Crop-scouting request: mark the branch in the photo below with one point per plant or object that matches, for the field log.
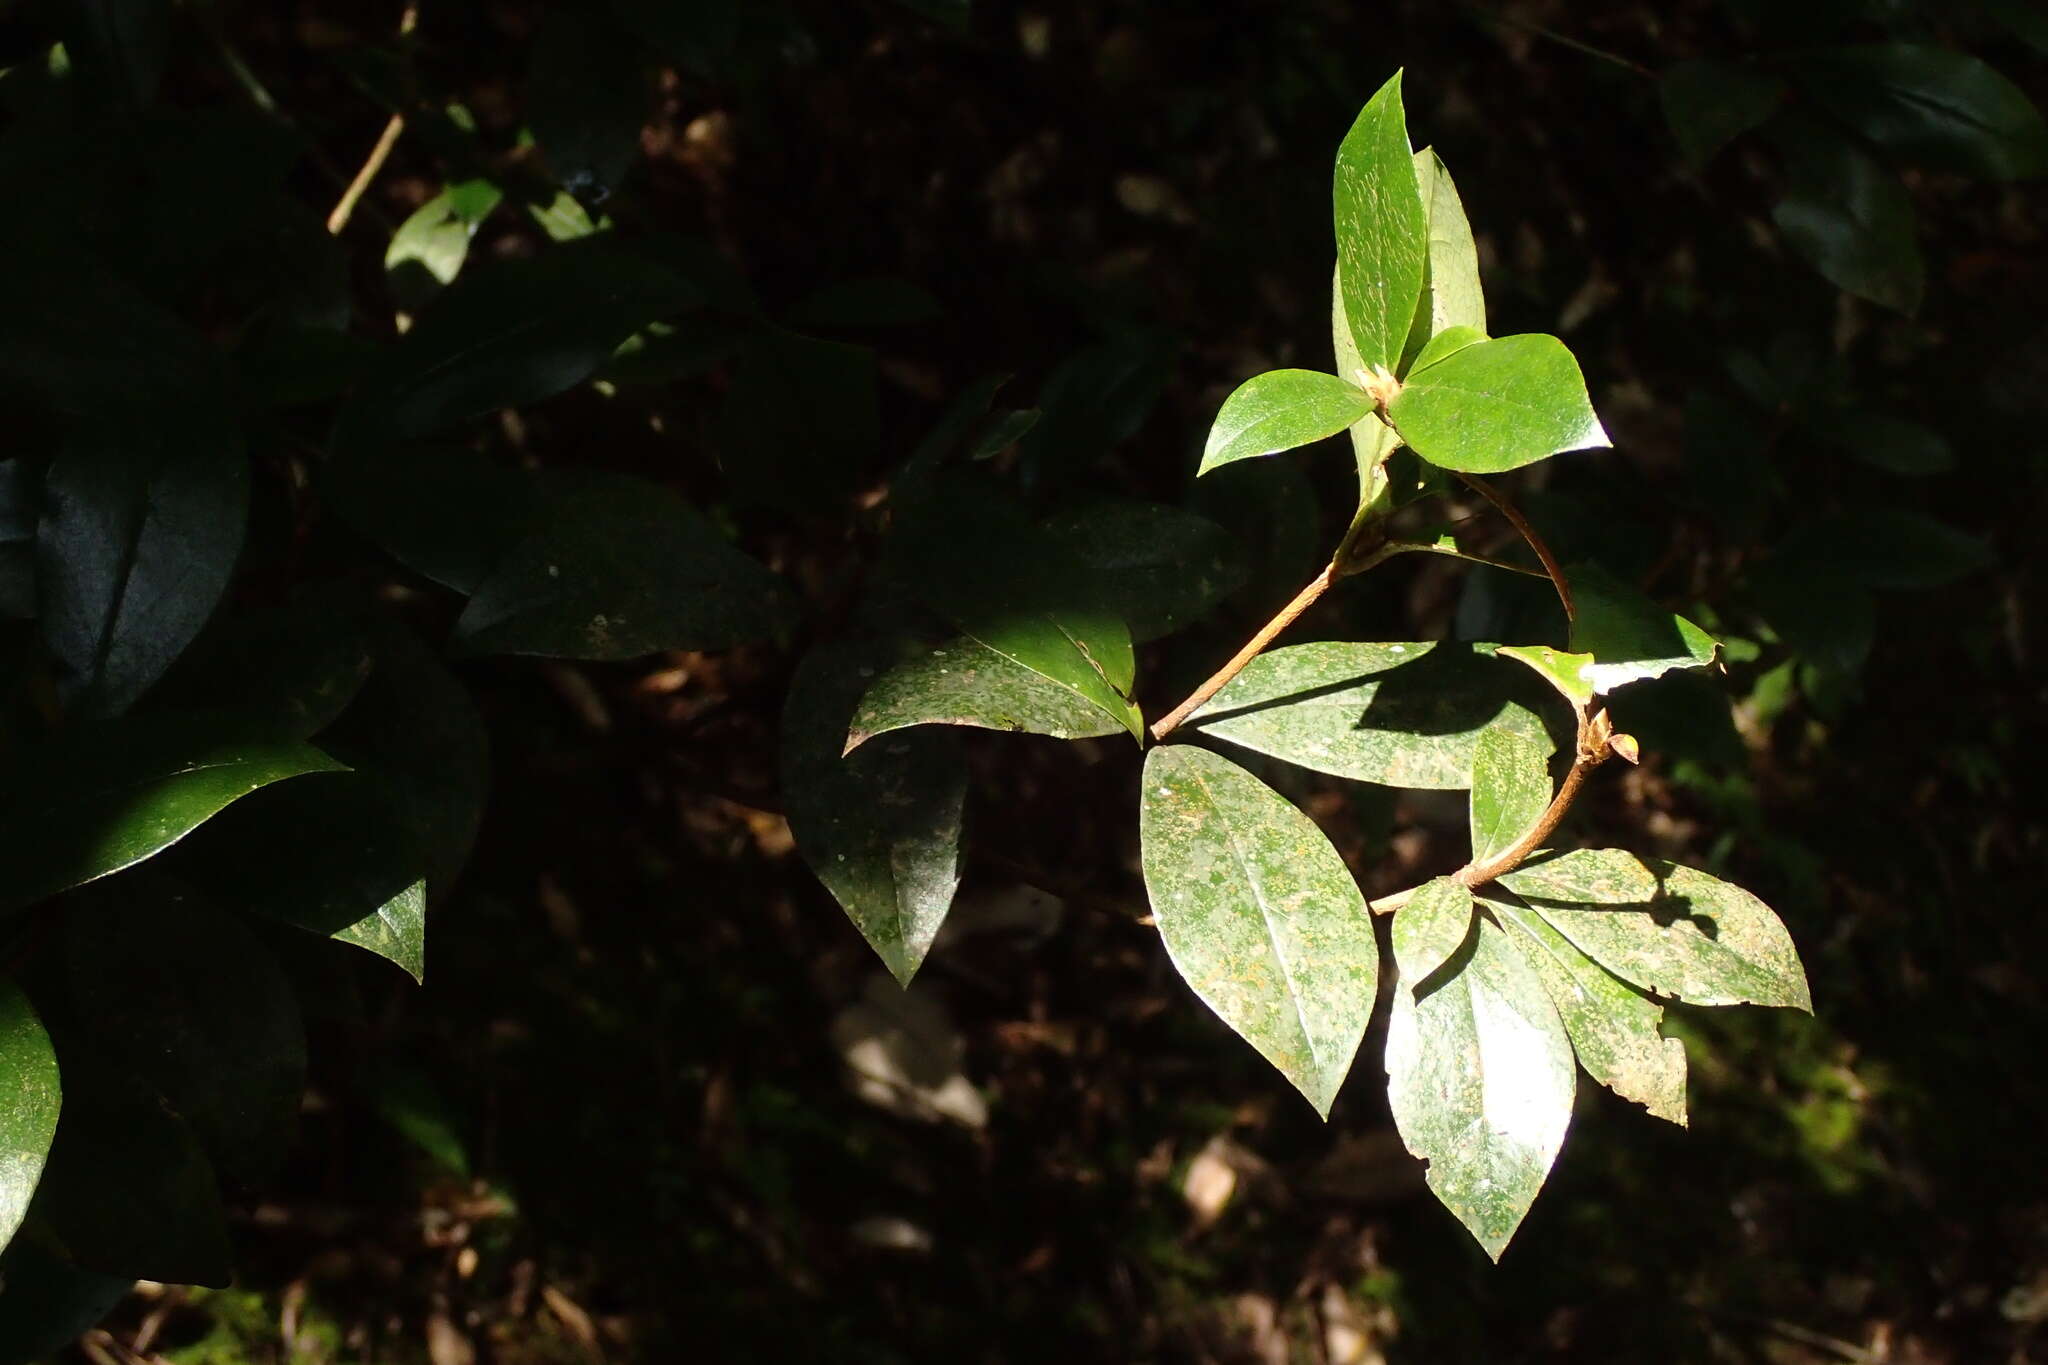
(380, 153)
(1303, 600)
(1528, 533)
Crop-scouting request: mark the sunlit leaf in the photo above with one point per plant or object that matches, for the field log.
(1281, 410)
(1510, 789)
(965, 682)
(1629, 636)
(1570, 674)
(1451, 293)
(30, 1097)
(1481, 1082)
(1259, 915)
(1382, 231)
(1497, 405)
(1430, 928)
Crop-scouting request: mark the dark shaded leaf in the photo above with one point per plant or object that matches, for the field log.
(1156, 567)
(1931, 106)
(1095, 401)
(30, 1097)
(1896, 445)
(1709, 103)
(45, 1304)
(1259, 915)
(120, 46)
(880, 827)
(1880, 547)
(798, 429)
(444, 512)
(586, 97)
(1629, 636)
(877, 301)
(1848, 216)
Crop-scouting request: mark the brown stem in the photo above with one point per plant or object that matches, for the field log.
(1528, 533)
(1303, 600)
(1511, 857)
(380, 153)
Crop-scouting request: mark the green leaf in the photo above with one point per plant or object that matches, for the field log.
(1615, 1029)
(1510, 789)
(1382, 229)
(143, 516)
(586, 98)
(798, 428)
(1004, 429)
(429, 248)
(1629, 636)
(1446, 344)
(1497, 405)
(1480, 1079)
(1451, 293)
(45, 1303)
(1156, 567)
(1095, 401)
(1259, 915)
(445, 512)
(1848, 216)
(1880, 547)
(964, 682)
(880, 827)
(1708, 104)
(1570, 674)
(510, 334)
(1932, 107)
(97, 799)
(564, 219)
(1668, 929)
(1430, 929)
(1281, 410)
(622, 568)
(291, 670)
(30, 1097)
(129, 1190)
(1403, 715)
(146, 962)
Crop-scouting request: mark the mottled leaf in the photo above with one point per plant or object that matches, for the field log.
(1481, 1082)
(1709, 103)
(1430, 928)
(1510, 789)
(1930, 106)
(618, 569)
(1451, 294)
(1669, 929)
(1403, 715)
(1382, 230)
(1615, 1029)
(30, 1096)
(1629, 636)
(1259, 915)
(1281, 410)
(879, 827)
(964, 682)
(1497, 405)
(96, 799)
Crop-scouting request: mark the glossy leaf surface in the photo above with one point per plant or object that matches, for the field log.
(881, 826)
(1403, 715)
(964, 682)
(1615, 1029)
(1280, 410)
(1497, 405)
(30, 1097)
(1629, 636)
(622, 568)
(1669, 929)
(1451, 293)
(1510, 789)
(1259, 914)
(1430, 928)
(1481, 1082)
(1382, 231)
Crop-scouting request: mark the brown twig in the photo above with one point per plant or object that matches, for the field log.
(1528, 533)
(380, 153)
(1512, 857)
(1216, 681)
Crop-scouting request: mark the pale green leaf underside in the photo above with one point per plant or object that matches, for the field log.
(1382, 236)
(1281, 410)
(1259, 915)
(395, 931)
(1430, 928)
(964, 682)
(1481, 1082)
(1510, 789)
(1452, 294)
(1614, 1028)
(1570, 674)
(1402, 715)
(1497, 405)
(29, 1100)
(1630, 637)
(1669, 929)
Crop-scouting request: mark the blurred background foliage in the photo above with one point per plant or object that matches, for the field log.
(658, 1101)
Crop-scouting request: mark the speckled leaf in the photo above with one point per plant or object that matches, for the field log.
(1629, 636)
(622, 568)
(1614, 1028)
(881, 827)
(1382, 232)
(1159, 568)
(1430, 928)
(1278, 411)
(1403, 715)
(1259, 915)
(1497, 405)
(1568, 673)
(1480, 1079)
(1451, 294)
(102, 798)
(1510, 789)
(1371, 439)
(29, 1099)
(964, 682)
(1669, 929)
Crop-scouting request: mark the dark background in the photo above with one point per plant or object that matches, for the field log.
(617, 1122)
